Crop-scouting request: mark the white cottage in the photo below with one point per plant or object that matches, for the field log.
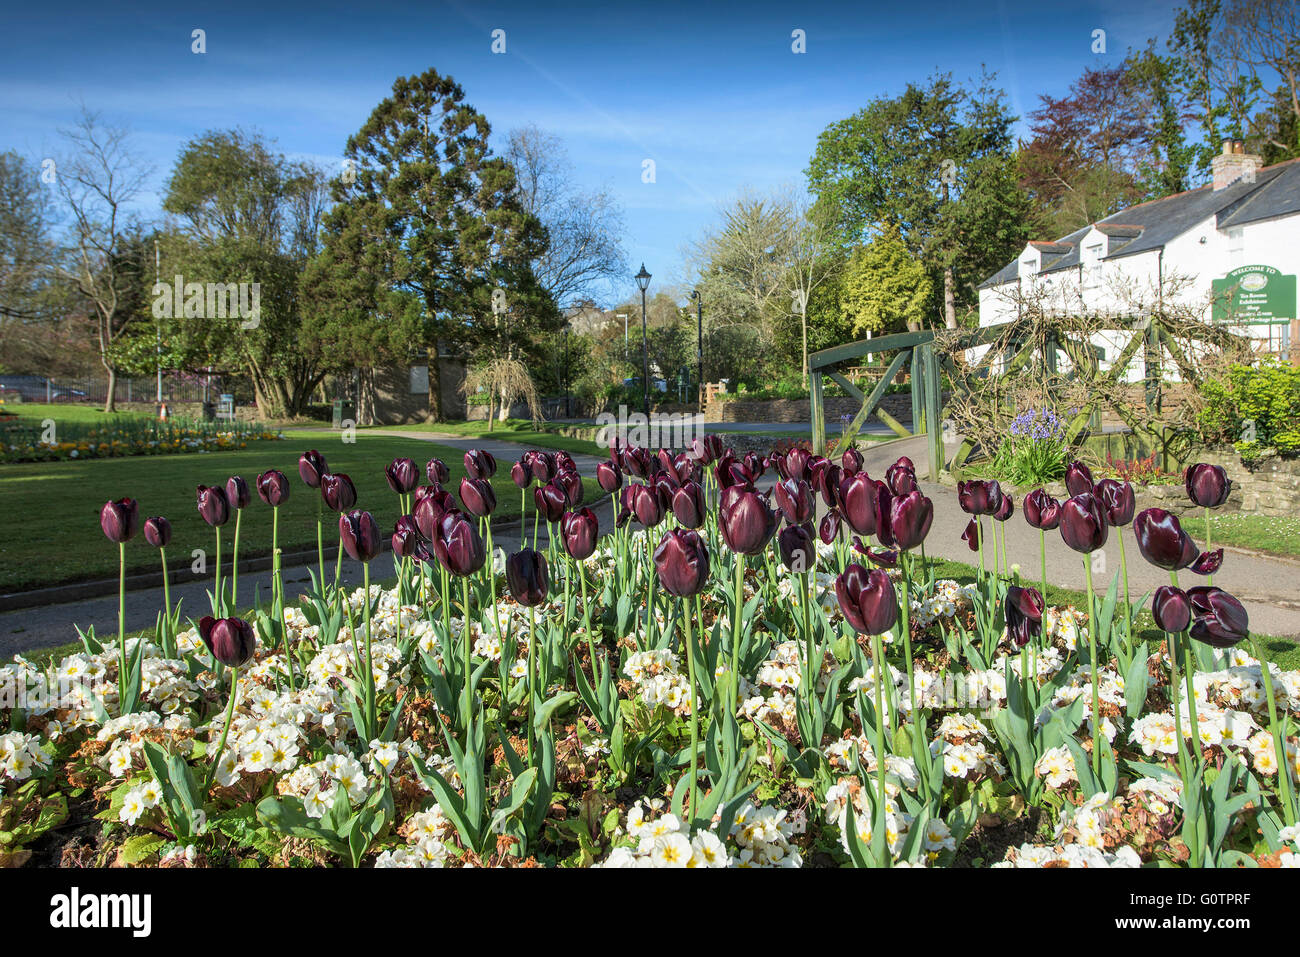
(1229, 250)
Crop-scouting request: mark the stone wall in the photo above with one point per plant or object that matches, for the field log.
(1268, 487)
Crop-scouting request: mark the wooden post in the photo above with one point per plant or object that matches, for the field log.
(817, 409)
(933, 404)
(918, 395)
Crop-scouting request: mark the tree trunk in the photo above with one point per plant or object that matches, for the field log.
(803, 321)
(949, 299)
(435, 384)
(110, 402)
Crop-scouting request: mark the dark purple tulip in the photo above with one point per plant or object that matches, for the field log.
(429, 510)
(1162, 541)
(978, 497)
(682, 562)
(480, 464)
(570, 482)
(795, 500)
(797, 462)
(747, 521)
(729, 471)
(904, 462)
(1083, 523)
(828, 529)
(550, 501)
(867, 599)
(478, 497)
(909, 519)
(885, 558)
(1218, 619)
(1171, 608)
(1041, 510)
(338, 492)
(157, 531)
(664, 484)
(1078, 478)
(231, 641)
(647, 506)
(437, 472)
(901, 477)
(120, 520)
(1006, 509)
(564, 462)
(859, 501)
(1207, 485)
(312, 468)
(1023, 608)
(971, 536)
(851, 461)
(273, 487)
(689, 506)
(237, 493)
(1118, 501)
(636, 461)
(1208, 563)
(827, 480)
(402, 476)
(457, 544)
(360, 535)
(542, 464)
(664, 462)
(213, 505)
(884, 507)
(580, 530)
(610, 477)
(754, 465)
(406, 536)
(527, 577)
(797, 547)
(521, 473)
(687, 469)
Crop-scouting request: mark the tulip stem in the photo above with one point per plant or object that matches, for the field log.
(234, 562)
(1042, 556)
(371, 715)
(979, 537)
(695, 712)
(906, 609)
(491, 568)
(466, 648)
(221, 602)
(122, 676)
(170, 639)
(278, 588)
(805, 599)
(1210, 578)
(1178, 721)
(1092, 662)
(532, 644)
(878, 666)
(1189, 671)
(320, 544)
(1284, 769)
(221, 746)
(586, 617)
(737, 613)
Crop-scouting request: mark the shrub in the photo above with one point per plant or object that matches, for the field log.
(1034, 449)
(1256, 408)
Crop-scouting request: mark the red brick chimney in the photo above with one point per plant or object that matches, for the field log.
(1234, 164)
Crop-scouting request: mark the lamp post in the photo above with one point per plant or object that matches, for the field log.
(643, 280)
(699, 347)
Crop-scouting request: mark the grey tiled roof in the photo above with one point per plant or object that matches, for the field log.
(1150, 225)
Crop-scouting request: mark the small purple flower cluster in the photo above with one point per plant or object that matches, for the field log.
(1038, 424)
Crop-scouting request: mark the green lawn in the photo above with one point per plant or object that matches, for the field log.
(518, 431)
(51, 530)
(1278, 536)
(61, 412)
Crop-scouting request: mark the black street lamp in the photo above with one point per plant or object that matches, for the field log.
(643, 280)
(699, 347)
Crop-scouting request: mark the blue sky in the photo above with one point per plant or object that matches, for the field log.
(711, 92)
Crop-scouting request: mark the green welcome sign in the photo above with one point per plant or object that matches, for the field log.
(1254, 294)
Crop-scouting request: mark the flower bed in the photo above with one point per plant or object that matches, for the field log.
(137, 436)
(715, 683)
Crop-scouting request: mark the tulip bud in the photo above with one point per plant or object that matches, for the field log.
(858, 500)
(478, 497)
(828, 530)
(1023, 609)
(797, 548)
(682, 563)
(971, 536)
(360, 535)
(909, 519)
(1117, 500)
(1171, 609)
(1083, 523)
(157, 531)
(580, 529)
(231, 641)
(1078, 478)
(550, 501)
(521, 473)
(636, 461)
(213, 505)
(689, 506)
(273, 487)
(542, 464)
(610, 477)
(746, 521)
(1162, 540)
(120, 520)
(406, 536)
(527, 577)
(901, 477)
(1006, 508)
(1218, 619)
(237, 493)
(1041, 510)
(457, 544)
(338, 492)
(437, 472)
(402, 476)
(570, 483)
(647, 506)
(429, 510)
(795, 500)
(851, 461)
(312, 468)
(480, 464)
(1207, 485)
(867, 599)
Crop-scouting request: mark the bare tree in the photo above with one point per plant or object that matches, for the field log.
(809, 244)
(98, 180)
(1265, 35)
(584, 227)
